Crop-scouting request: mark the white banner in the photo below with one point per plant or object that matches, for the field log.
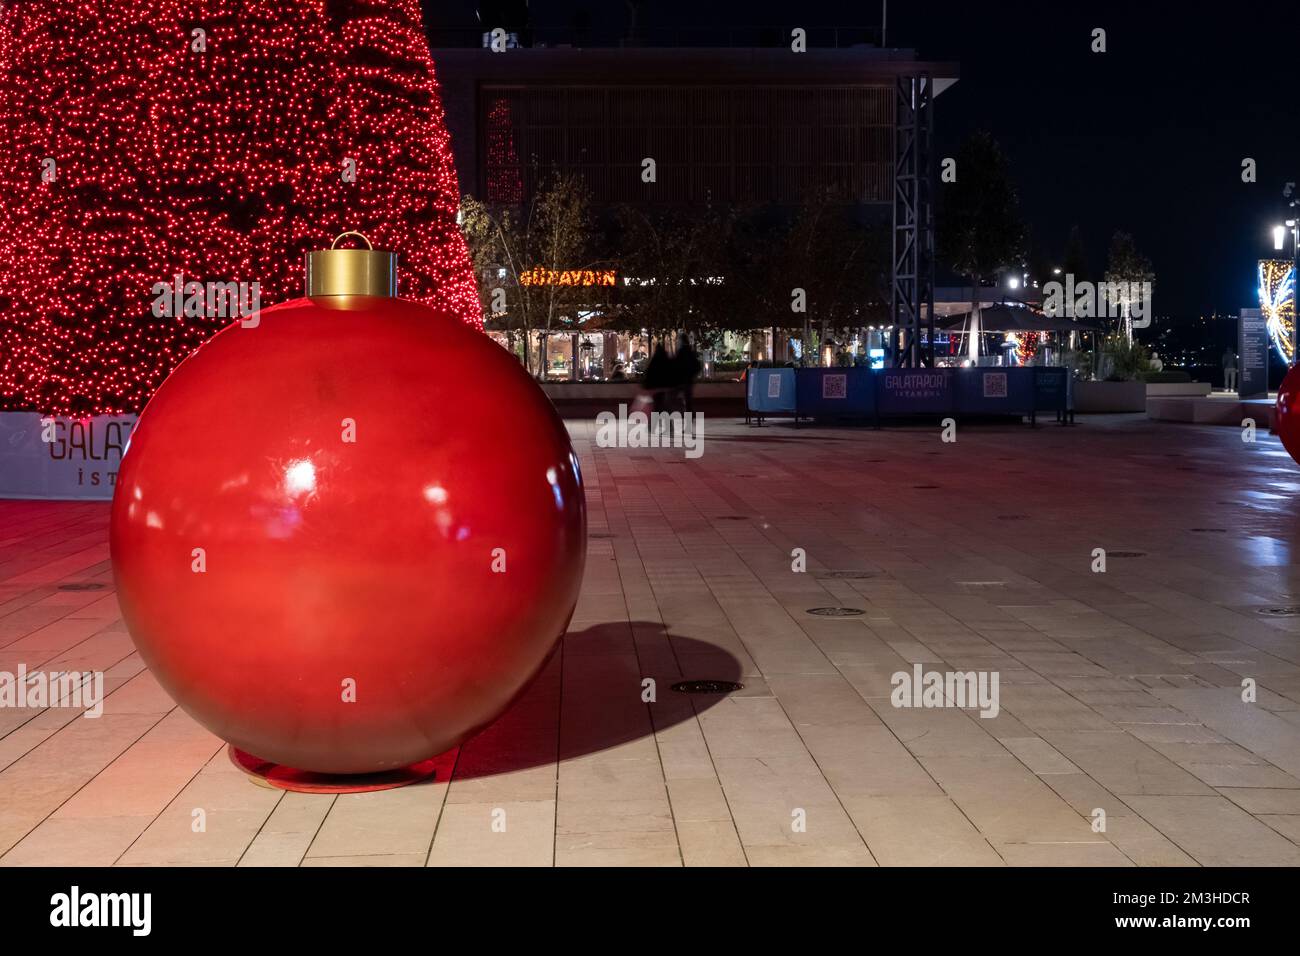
(65, 458)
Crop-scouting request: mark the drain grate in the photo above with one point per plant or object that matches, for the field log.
(924, 487)
(1290, 610)
(599, 534)
(1013, 517)
(707, 687)
(1126, 554)
(848, 575)
(732, 518)
(81, 586)
(1210, 530)
(836, 611)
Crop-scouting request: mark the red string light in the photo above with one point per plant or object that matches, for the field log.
(504, 182)
(140, 140)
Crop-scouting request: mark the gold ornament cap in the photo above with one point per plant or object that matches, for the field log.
(335, 271)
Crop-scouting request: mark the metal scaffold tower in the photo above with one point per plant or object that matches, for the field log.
(912, 285)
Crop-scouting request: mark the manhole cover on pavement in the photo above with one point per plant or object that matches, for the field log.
(849, 575)
(81, 586)
(1126, 554)
(1291, 610)
(707, 687)
(836, 611)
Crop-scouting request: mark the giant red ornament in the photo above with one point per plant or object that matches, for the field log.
(1286, 421)
(345, 538)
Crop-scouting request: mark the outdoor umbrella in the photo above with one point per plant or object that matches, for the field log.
(1013, 318)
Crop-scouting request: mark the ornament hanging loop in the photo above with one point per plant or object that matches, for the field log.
(351, 272)
(351, 232)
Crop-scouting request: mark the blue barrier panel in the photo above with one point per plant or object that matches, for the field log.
(995, 391)
(915, 391)
(835, 392)
(1052, 389)
(770, 390)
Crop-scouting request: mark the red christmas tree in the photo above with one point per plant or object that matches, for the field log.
(142, 139)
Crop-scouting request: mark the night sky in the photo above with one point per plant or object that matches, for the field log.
(1148, 137)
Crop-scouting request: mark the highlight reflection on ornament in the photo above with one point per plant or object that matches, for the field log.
(347, 538)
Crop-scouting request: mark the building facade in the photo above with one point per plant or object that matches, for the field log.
(742, 126)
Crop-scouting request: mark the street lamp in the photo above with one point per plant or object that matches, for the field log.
(1279, 242)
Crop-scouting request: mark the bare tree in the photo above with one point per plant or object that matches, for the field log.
(532, 258)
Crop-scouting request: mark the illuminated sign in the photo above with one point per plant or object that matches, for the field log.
(567, 277)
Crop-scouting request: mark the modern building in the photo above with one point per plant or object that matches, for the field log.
(726, 124)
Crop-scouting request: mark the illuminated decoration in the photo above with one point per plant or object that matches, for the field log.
(1027, 344)
(1286, 419)
(570, 277)
(1277, 303)
(376, 587)
(505, 184)
(216, 140)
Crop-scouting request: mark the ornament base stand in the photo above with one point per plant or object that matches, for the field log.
(264, 773)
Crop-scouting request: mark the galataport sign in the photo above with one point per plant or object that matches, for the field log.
(43, 456)
(914, 390)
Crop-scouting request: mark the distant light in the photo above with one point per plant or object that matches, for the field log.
(1056, 271)
(1013, 282)
(1279, 237)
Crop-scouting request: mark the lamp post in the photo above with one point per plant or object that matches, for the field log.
(1279, 243)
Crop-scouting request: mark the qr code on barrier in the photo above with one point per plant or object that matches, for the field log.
(995, 384)
(835, 386)
(774, 386)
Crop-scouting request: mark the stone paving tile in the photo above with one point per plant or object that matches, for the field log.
(502, 834)
(288, 832)
(1120, 692)
(1216, 832)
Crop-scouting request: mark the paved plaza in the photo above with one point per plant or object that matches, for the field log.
(1121, 736)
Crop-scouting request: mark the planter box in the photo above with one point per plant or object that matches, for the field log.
(1110, 397)
(1177, 389)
